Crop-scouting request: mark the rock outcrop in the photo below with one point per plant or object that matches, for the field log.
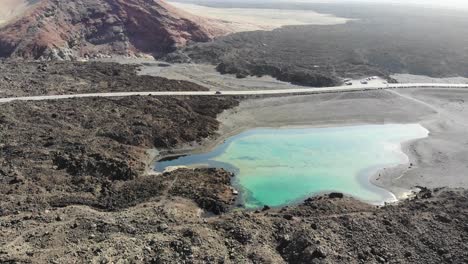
(69, 30)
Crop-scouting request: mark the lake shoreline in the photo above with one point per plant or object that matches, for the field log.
(444, 121)
(204, 153)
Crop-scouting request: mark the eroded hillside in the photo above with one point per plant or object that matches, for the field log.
(68, 30)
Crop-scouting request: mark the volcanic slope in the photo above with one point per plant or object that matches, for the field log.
(67, 30)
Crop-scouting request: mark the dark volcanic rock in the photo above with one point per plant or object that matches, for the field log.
(213, 194)
(372, 44)
(28, 79)
(334, 195)
(73, 189)
(93, 164)
(282, 73)
(81, 149)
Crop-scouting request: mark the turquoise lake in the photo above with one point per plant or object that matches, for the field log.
(281, 166)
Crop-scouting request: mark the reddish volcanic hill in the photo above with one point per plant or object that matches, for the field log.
(71, 29)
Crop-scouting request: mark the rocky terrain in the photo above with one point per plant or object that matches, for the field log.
(74, 188)
(171, 228)
(82, 29)
(429, 42)
(48, 78)
(71, 152)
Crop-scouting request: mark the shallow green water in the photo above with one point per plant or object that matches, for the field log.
(282, 166)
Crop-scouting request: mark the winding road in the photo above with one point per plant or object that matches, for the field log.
(351, 88)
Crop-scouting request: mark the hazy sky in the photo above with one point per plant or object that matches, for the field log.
(446, 3)
(453, 4)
